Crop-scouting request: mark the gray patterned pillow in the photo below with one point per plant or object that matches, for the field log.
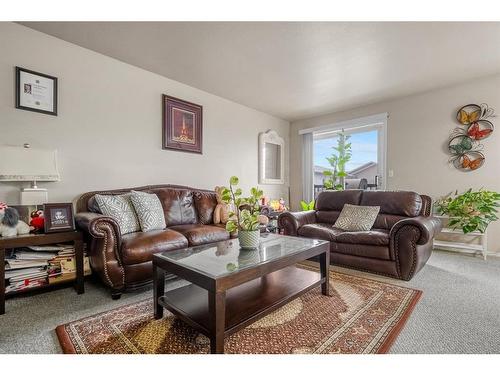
(356, 218)
(149, 210)
(120, 208)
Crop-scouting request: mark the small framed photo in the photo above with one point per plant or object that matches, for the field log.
(58, 217)
(36, 91)
(182, 125)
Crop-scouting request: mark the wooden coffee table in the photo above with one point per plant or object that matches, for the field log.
(231, 287)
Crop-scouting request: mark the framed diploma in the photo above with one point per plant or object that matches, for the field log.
(36, 91)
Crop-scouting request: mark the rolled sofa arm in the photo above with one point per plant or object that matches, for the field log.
(104, 239)
(411, 243)
(94, 224)
(428, 228)
(290, 222)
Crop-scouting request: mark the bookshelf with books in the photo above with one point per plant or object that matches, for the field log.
(40, 261)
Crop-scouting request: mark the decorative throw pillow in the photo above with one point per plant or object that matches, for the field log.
(120, 208)
(149, 210)
(356, 218)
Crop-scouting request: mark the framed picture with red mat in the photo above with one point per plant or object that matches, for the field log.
(182, 126)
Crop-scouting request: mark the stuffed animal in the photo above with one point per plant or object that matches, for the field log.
(10, 225)
(221, 212)
(263, 219)
(37, 220)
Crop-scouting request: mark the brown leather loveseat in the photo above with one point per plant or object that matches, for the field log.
(124, 261)
(398, 245)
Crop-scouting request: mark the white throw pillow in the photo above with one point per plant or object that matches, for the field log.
(149, 210)
(119, 207)
(354, 218)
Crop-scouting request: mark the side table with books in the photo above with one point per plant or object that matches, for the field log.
(38, 261)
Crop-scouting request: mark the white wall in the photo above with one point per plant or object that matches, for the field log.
(418, 131)
(108, 131)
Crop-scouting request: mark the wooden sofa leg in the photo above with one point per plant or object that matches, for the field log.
(116, 294)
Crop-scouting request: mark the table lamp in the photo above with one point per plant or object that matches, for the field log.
(29, 164)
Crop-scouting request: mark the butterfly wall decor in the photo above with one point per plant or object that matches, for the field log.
(464, 146)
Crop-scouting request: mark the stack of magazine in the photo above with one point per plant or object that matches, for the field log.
(35, 266)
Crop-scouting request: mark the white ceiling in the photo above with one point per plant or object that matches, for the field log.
(296, 70)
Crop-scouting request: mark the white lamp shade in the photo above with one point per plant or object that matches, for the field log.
(28, 164)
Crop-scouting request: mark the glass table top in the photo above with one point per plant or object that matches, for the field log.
(222, 258)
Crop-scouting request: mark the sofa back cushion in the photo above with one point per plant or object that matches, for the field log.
(328, 217)
(394, 205)
(399, 203)
(205, 203)
(178, 205)
(335, 200)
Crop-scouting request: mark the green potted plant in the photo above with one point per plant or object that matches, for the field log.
(307, 206)
(471, 211)
(243, 217)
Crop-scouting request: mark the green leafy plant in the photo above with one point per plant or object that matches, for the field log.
(307, 206)
(470, 211)
(338, 160)
(245, 212)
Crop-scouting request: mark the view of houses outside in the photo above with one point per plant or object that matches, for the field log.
(363, 163)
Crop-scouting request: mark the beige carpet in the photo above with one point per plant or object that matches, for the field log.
(361, 316)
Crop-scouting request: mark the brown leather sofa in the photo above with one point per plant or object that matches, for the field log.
(123, 262)
(398, 245)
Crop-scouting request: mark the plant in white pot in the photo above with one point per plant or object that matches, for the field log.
(244, 216)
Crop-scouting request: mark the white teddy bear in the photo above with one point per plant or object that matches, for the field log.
(10, 225)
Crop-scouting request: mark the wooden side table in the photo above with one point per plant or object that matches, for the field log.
(42, 239)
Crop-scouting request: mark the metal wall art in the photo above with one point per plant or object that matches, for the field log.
(464, 145)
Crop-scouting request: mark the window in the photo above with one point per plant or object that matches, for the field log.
(365, 169)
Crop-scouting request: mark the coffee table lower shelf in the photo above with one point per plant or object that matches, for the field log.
(245, 303)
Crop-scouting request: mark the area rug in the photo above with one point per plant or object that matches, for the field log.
(361, 316)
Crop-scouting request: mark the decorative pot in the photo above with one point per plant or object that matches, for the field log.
(249, 239)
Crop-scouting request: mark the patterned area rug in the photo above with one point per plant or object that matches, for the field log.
(362, 316)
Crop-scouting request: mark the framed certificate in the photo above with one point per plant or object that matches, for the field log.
(36, 91)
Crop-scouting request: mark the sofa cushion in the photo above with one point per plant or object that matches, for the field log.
(334, 200)
(361, 250)
(205, 203)
(402, 203)
(356, 218)
(198, 234)
(325, 231)
(139, 247)
(120, 208)
(321, 231)
(178, 205)
(149, 210)
(378, 237)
